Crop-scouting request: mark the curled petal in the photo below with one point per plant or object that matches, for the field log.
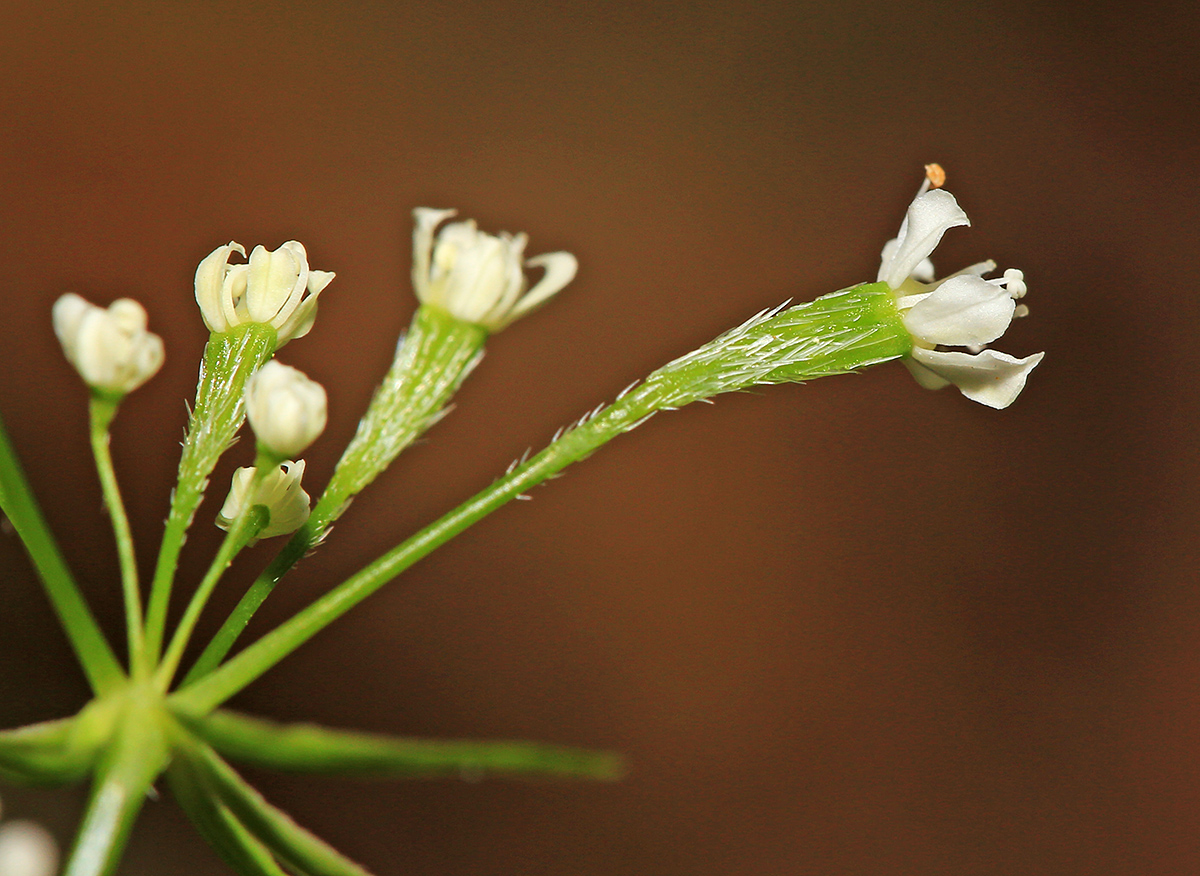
(279, 492)
(963, 311)
(275, 282)
(928, 218)
(990, 378)
(211, 284)
(560, 268)
(68, 316)
(426, 220)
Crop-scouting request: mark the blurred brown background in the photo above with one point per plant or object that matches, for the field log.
(849, 628)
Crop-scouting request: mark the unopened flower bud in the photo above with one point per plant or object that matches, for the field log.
(271, 289)
(286, 410)
(477, 277)
(27, 849)
(111, 349)
(279, 492)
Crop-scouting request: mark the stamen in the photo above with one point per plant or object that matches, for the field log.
(1022, 310)
(1012, 282)
(935, 177)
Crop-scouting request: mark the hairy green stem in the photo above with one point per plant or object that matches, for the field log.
(432, 360)
(229, 360)
(835, 334)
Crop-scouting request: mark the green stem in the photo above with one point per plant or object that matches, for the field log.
(95, 655)
(103, 408)
(432, 360)
(250, 522)
(832, 335)
(229, 360)
(135, 759)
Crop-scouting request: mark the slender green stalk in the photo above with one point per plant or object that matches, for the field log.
(292, 845)
(103, 409)
(310, 748)
(233, 842)
(95, 655)
(432, 360)
(229, 360)
(835, 334)
(250, 522)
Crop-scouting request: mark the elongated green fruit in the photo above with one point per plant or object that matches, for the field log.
(835, 334)
(431, 362)
(229, 360)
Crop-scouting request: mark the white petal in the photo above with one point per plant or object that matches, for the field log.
(275, 282)
(68, 315)
(318, 280)
(926, 378)
(426, 219)
(560, 270)
(928, 217)
(990, 378)
(210, 285)
(963, 310)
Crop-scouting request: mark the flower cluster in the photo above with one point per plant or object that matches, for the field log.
(270, 289)
(962, 310)
(477, 277)
(470, 284)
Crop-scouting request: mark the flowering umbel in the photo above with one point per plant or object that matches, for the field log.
(286, 410)
(477, 277)
(279, 492)
(111, 349)
(963, 310)
(276, 288)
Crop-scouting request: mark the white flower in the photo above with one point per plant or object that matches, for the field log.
(286, 410)
(111, 349)
(963, 310)
(478, 277)
(270, 289)
(27, 849)
(280, 492)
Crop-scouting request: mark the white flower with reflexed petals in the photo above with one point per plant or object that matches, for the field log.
(477, 277)
(963, 310)
(279, 492)
(275, 288)
(111, 349)
(286, 410)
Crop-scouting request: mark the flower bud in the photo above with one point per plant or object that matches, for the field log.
(279, 492)
(477, 277)
(111, 349)
(270, 289)
(27, 849)
(286, 410)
